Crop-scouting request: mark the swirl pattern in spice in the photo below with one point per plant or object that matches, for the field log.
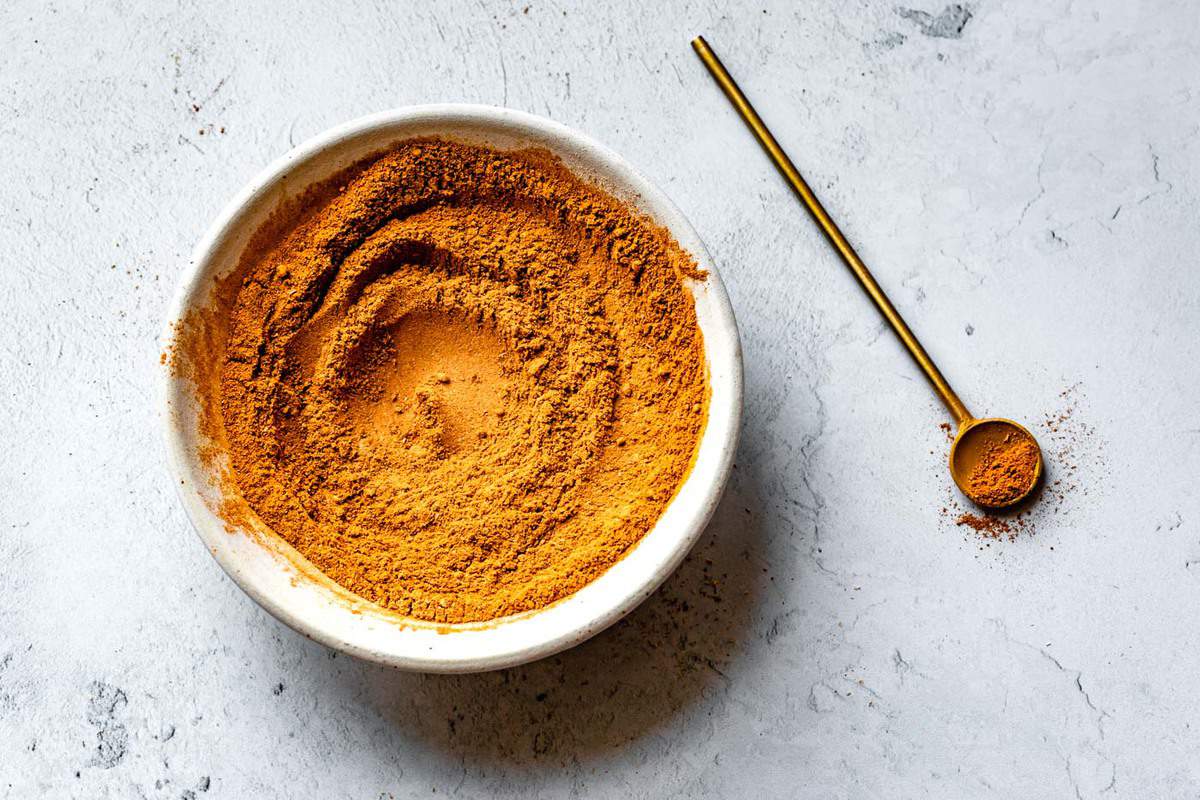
(463, 382)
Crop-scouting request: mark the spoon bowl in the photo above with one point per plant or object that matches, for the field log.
(973, 448)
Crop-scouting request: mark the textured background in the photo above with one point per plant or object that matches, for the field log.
(1023, 177)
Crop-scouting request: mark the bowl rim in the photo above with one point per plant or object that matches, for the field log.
(719, 438)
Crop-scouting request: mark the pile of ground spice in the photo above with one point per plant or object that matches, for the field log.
(990, 525)
(462, 382)
(1005, 471)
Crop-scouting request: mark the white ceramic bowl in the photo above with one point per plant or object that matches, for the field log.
(282, 581)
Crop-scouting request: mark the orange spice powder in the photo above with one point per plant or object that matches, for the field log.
(462, 382)
(1005, 471)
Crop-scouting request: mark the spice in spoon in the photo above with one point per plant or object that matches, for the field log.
(1005, 471)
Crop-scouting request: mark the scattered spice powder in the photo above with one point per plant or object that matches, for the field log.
(990, 525)
(462, 382)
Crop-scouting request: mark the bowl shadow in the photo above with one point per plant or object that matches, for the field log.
(678, 649)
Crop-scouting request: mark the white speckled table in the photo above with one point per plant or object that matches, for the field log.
(1021, 175)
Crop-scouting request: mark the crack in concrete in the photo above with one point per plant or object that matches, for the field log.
(1041, 192)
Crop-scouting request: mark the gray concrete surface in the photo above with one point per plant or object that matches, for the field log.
(1023, 177)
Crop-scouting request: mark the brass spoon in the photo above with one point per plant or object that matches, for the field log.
(975, 436)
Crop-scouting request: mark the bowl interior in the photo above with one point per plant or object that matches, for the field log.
(277, 576)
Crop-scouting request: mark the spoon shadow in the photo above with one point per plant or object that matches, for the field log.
(670, 656)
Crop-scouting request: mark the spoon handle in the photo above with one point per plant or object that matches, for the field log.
(830, 229)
